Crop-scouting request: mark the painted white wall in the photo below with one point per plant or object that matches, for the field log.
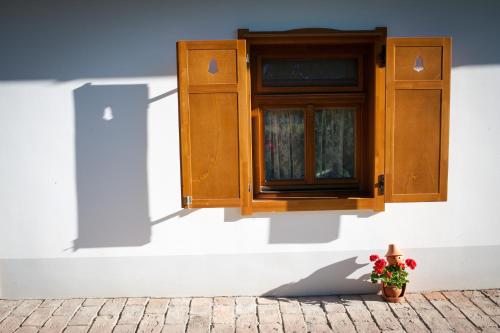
(90, 207)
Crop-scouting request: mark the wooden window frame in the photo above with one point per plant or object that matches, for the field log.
(369, 196)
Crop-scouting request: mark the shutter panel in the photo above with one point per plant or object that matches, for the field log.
(417, 119)
(213, 118)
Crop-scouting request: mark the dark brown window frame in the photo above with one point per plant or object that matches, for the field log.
(311, 98)
(354, 184)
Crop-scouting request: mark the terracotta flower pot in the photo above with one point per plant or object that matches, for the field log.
(392, 293)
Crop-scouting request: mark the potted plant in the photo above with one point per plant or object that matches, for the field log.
(391, 273)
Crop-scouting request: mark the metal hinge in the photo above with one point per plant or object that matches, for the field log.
(382, 56)
(249, 188)
(248, 59)
(188, 201)
(381, 184)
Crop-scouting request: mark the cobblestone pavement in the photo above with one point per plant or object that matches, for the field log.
(447, 311)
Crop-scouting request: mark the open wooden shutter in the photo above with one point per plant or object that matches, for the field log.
(417, 119)
(213, 117)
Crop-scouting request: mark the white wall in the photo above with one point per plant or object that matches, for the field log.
(90, 207)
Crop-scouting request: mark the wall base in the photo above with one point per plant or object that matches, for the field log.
(280, 274)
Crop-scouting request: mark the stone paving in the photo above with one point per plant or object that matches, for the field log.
(447, 311)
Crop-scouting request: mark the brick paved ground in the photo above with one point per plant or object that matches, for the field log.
(453, 311)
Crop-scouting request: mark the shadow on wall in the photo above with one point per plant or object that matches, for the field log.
(332, 279)
(308, 227)
(66, 40)
(300, 227)
(111, 165)
(111, 177)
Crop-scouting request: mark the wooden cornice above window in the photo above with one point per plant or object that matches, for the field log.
(311, 36)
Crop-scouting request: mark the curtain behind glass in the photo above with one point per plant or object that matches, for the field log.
(334, 142)
(284, 143)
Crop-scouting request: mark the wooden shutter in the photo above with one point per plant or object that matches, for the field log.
(213, 117)
(417, 119)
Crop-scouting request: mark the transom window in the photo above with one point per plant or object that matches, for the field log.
(319, 72)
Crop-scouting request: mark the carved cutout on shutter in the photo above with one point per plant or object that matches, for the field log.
(212, 66)
(419, 64)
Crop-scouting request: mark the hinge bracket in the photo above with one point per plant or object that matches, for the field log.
(381, 184)
(188, 201)
(248, 59)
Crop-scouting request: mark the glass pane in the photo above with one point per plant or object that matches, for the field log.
(309, 72)
(334, 139)
(284, 143)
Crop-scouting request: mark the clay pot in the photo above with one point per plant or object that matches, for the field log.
(392, 293)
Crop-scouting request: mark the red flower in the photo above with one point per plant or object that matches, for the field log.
(401, 265)
(380, 263)
(373, 257)
(389, 274)
(411, 263)
(378, 270)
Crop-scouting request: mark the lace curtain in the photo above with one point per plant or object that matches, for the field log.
(284, 143)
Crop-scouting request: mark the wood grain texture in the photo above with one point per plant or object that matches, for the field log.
(244, 129)
(304, 204)
(417, 119)
(379, 105)
(214, 145)
(310, 36)
(213, 111)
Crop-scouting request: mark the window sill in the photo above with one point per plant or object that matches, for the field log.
(309, 204)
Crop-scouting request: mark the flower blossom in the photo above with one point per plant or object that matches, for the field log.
(411, 263)
(380, 263)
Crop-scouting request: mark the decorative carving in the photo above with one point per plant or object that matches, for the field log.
(419, 64)
(212, 66)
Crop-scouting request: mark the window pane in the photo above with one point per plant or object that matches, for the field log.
(309, 72)
(334, 142)
(284, 143)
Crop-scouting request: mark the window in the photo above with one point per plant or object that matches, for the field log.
(313, 119)
(310, 120)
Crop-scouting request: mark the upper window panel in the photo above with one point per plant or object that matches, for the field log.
(308, 69)
(333, 72)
